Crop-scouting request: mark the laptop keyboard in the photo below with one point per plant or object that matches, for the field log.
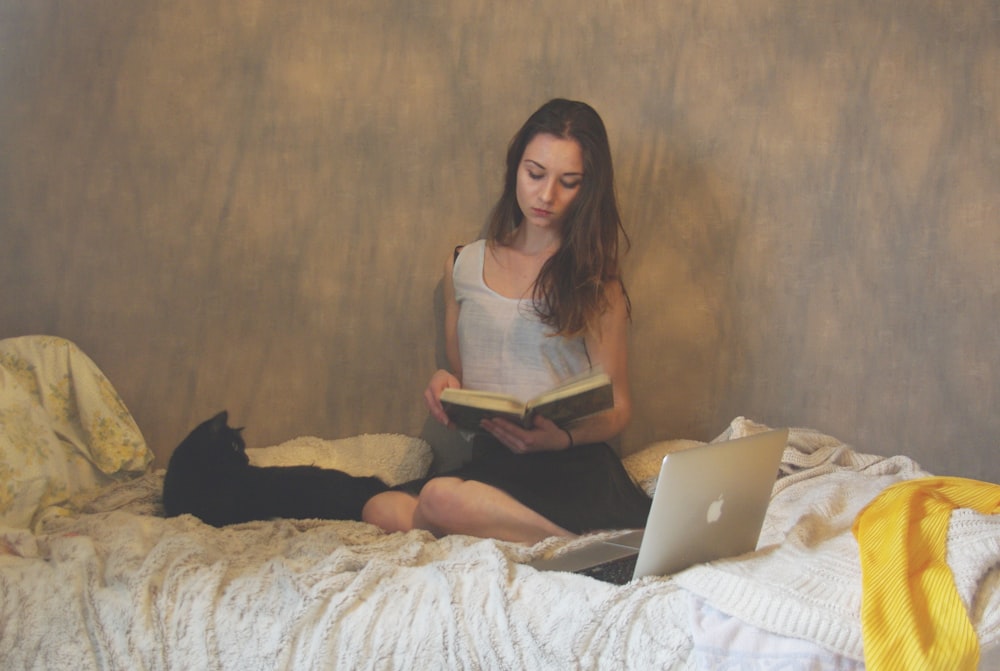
(616, 571)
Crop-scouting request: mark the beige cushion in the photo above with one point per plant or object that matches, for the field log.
(393, 457)
(644, 465)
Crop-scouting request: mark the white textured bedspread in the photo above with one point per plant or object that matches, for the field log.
(120, 590)
(116, 586)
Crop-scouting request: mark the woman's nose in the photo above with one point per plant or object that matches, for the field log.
(549, 191)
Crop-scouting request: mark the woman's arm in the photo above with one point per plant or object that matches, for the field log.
(608, 348)
(451, 317)
(443, 379)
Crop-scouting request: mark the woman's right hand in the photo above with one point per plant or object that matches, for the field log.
(440, 381)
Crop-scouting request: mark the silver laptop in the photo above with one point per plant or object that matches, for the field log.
(709, 503)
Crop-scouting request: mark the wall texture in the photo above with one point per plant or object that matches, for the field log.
(247, 204)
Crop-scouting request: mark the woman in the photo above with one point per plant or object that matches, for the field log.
(536, 302)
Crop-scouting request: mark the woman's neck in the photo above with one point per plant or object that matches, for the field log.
(511, 269)
(531, 241)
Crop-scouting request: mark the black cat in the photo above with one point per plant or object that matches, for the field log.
(210, 477)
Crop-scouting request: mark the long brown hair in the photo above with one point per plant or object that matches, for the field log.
(570, 291)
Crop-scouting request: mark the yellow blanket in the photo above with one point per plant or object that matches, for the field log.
(911, 614)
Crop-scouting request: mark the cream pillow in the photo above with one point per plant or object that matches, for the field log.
(392, 457)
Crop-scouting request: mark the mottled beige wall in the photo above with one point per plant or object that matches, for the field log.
(247, 204)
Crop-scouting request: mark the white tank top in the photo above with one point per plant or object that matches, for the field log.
(503, 344)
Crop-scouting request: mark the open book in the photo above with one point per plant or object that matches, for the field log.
(579, 397)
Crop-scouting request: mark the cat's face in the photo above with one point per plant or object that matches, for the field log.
(215, 444)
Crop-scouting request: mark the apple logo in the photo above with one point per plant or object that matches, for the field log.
(715, 510)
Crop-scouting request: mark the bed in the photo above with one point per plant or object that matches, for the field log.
(93, 576)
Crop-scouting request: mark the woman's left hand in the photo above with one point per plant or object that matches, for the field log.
(544, 436)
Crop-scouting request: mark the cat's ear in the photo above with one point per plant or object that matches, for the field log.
(220, 421)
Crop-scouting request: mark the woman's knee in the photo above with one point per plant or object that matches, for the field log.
(441, 502)
(391, 511)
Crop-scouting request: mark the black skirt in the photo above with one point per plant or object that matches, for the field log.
(581, 489)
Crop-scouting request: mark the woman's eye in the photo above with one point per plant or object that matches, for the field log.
(571, 185)
(535, 176)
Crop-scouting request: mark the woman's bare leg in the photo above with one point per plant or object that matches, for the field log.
(452, 505)
(455, 506)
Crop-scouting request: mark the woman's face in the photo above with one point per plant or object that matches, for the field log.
(548, 179)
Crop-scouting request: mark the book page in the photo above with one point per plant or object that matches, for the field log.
(576, 385)
(486, 400)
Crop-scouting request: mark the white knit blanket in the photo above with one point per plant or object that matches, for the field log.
(796, 603)
(116, 586)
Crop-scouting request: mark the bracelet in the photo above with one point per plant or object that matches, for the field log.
(570, 436)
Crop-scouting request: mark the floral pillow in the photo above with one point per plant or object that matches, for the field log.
(63, 428)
